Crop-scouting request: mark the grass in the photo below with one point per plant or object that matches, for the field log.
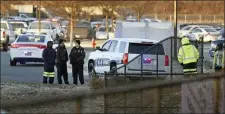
(140, 101)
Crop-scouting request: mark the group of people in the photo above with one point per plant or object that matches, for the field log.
(188, 56)
(59, 57)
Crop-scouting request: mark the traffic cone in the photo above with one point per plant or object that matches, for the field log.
(93, 43)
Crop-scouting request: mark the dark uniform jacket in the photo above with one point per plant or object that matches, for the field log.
(61, 55)
(77, 55)
(49, 56)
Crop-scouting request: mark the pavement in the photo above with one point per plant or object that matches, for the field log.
(33, 73)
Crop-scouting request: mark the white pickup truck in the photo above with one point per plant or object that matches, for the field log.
(7, 34)
(46, 27)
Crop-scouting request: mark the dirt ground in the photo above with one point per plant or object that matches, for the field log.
(14, 92)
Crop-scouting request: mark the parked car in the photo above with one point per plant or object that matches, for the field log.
(101, 33)
(186, 30)
(46, 28)
(19, 27)
(209, 34)
(60, 31)
(28, 48)
(116, 52)
(7, 34)
(83, 30)
(214, 45)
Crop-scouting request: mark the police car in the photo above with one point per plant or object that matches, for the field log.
(116, 52)
(28, 48)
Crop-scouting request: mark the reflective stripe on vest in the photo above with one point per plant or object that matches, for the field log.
(185, 59)
(49, 74)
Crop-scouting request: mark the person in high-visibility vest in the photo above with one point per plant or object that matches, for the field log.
(49, 56)
(218, 61)
(188, 56)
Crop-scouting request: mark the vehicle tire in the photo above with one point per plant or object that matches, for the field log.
(112, 69)
(12, 63)
(91, 70)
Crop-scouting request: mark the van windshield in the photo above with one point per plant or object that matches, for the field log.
(138, 48)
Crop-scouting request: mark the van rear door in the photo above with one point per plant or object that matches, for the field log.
(149, 58)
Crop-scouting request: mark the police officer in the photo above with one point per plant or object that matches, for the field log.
(218, 61)
(49, 56)
(61, 62)
(188, 56)
(77, 56)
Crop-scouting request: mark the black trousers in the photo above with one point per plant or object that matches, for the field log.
(78, 71)
(49, 80)
(62, 71)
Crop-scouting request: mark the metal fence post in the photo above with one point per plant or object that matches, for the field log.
(125, 98)
(141, 65)
(217, 92)
(171, 60)
(105, 95)
(157, 103)
(78, 105)
(202, 57)
(157, 62)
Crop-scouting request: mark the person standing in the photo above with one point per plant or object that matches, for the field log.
(61, 62)
(49, 56)
(188, 56)
(218, 61)
(77, 56)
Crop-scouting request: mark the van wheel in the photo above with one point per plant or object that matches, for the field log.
(113, 69)
(12, 63)
(91, 70)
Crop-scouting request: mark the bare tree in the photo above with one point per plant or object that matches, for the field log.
(124, 10)
(108, 8)
(141, 7)
(67, 9)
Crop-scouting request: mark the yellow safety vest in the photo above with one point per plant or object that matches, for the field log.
(188, 54)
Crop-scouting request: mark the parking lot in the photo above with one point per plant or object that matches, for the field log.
(32, 73)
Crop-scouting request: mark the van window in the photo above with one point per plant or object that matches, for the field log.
(113, 46)
(122, 47)
(138, 48)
